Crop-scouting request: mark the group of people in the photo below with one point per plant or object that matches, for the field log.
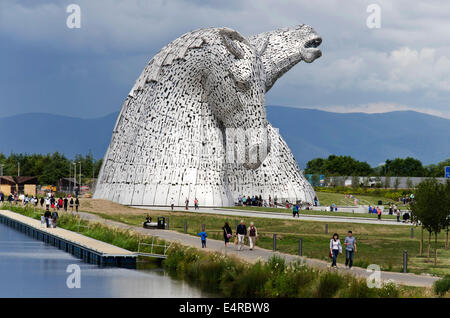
(49, 219)
(255, 200)
(14, 198)
(377, 210)
(186, 202)
(242, 232)
(57, 204)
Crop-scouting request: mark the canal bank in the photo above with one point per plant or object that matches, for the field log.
(87, 249)
(214, 270)
(32, 268)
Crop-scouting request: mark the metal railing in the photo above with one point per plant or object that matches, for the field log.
(152, 248)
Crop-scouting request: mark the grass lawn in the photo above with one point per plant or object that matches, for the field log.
(327, 199)
(377, 244)
(309, 212)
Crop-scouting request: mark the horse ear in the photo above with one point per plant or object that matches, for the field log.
(228, 37)
(262, 46)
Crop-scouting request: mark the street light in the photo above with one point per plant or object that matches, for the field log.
(79, 177)
(74, 174)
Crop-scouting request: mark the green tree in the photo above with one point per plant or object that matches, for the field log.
(431, 207)
(396, 183)
(408, 167)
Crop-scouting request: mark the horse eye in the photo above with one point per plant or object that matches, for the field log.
(241, 85)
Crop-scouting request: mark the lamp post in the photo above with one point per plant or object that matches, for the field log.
(1, 173)
(79, 177)
(74, 174)
(70, 179)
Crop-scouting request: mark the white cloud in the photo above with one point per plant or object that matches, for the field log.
(407, 57)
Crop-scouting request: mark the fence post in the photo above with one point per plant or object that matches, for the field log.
(412, 232)
(300, 247)
(168, 224)
(326, 228)
(405, 261)
(274, 242)
(185, 227)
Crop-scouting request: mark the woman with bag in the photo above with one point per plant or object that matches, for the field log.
(227, 233)
(335, 249)
(252, 235)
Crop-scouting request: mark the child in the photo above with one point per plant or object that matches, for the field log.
(203, 237)
(42, 220)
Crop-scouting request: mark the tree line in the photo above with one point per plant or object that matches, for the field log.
(49, 168)
(398, 167)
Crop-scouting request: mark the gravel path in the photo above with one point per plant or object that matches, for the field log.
(279, 215)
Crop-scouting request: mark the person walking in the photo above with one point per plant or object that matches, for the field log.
(42, 201)
(172, 204)
(252, 235)
(196, 204)
(379, 213)
(227, 233)
(241, 232)
(187, 204)
(350, 249)
(71, 204)
(77, 204)
(398, 215)
(335, 249)
(47, 203)
(54, 218)
(294, 210)
(203, 237)
(47, 216)
(66, 201)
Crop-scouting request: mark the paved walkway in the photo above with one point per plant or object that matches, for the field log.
(102, 248)
(259, 253)
(280, 215)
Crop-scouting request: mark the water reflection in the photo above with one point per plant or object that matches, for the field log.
(30, 268)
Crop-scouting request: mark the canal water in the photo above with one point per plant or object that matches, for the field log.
(30, 268)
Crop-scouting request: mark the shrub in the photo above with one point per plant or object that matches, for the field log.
(329, 285)
(442, 286)
(388, 290)
(358, 289)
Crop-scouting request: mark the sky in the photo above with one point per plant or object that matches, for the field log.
(88, 71)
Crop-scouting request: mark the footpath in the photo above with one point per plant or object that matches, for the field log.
(264, 254)
(280, 215)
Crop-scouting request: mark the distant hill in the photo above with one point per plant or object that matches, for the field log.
(366, 137)
(309, 133)
(46, 133)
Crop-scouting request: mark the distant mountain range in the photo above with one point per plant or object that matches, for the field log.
(309, 133)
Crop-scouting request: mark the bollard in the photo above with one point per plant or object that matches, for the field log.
(168, 227)
(203, 227)
(274, 242)
(326, 228)
(185, 227)
(412, 232)
(300, 247)
(405, 261)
